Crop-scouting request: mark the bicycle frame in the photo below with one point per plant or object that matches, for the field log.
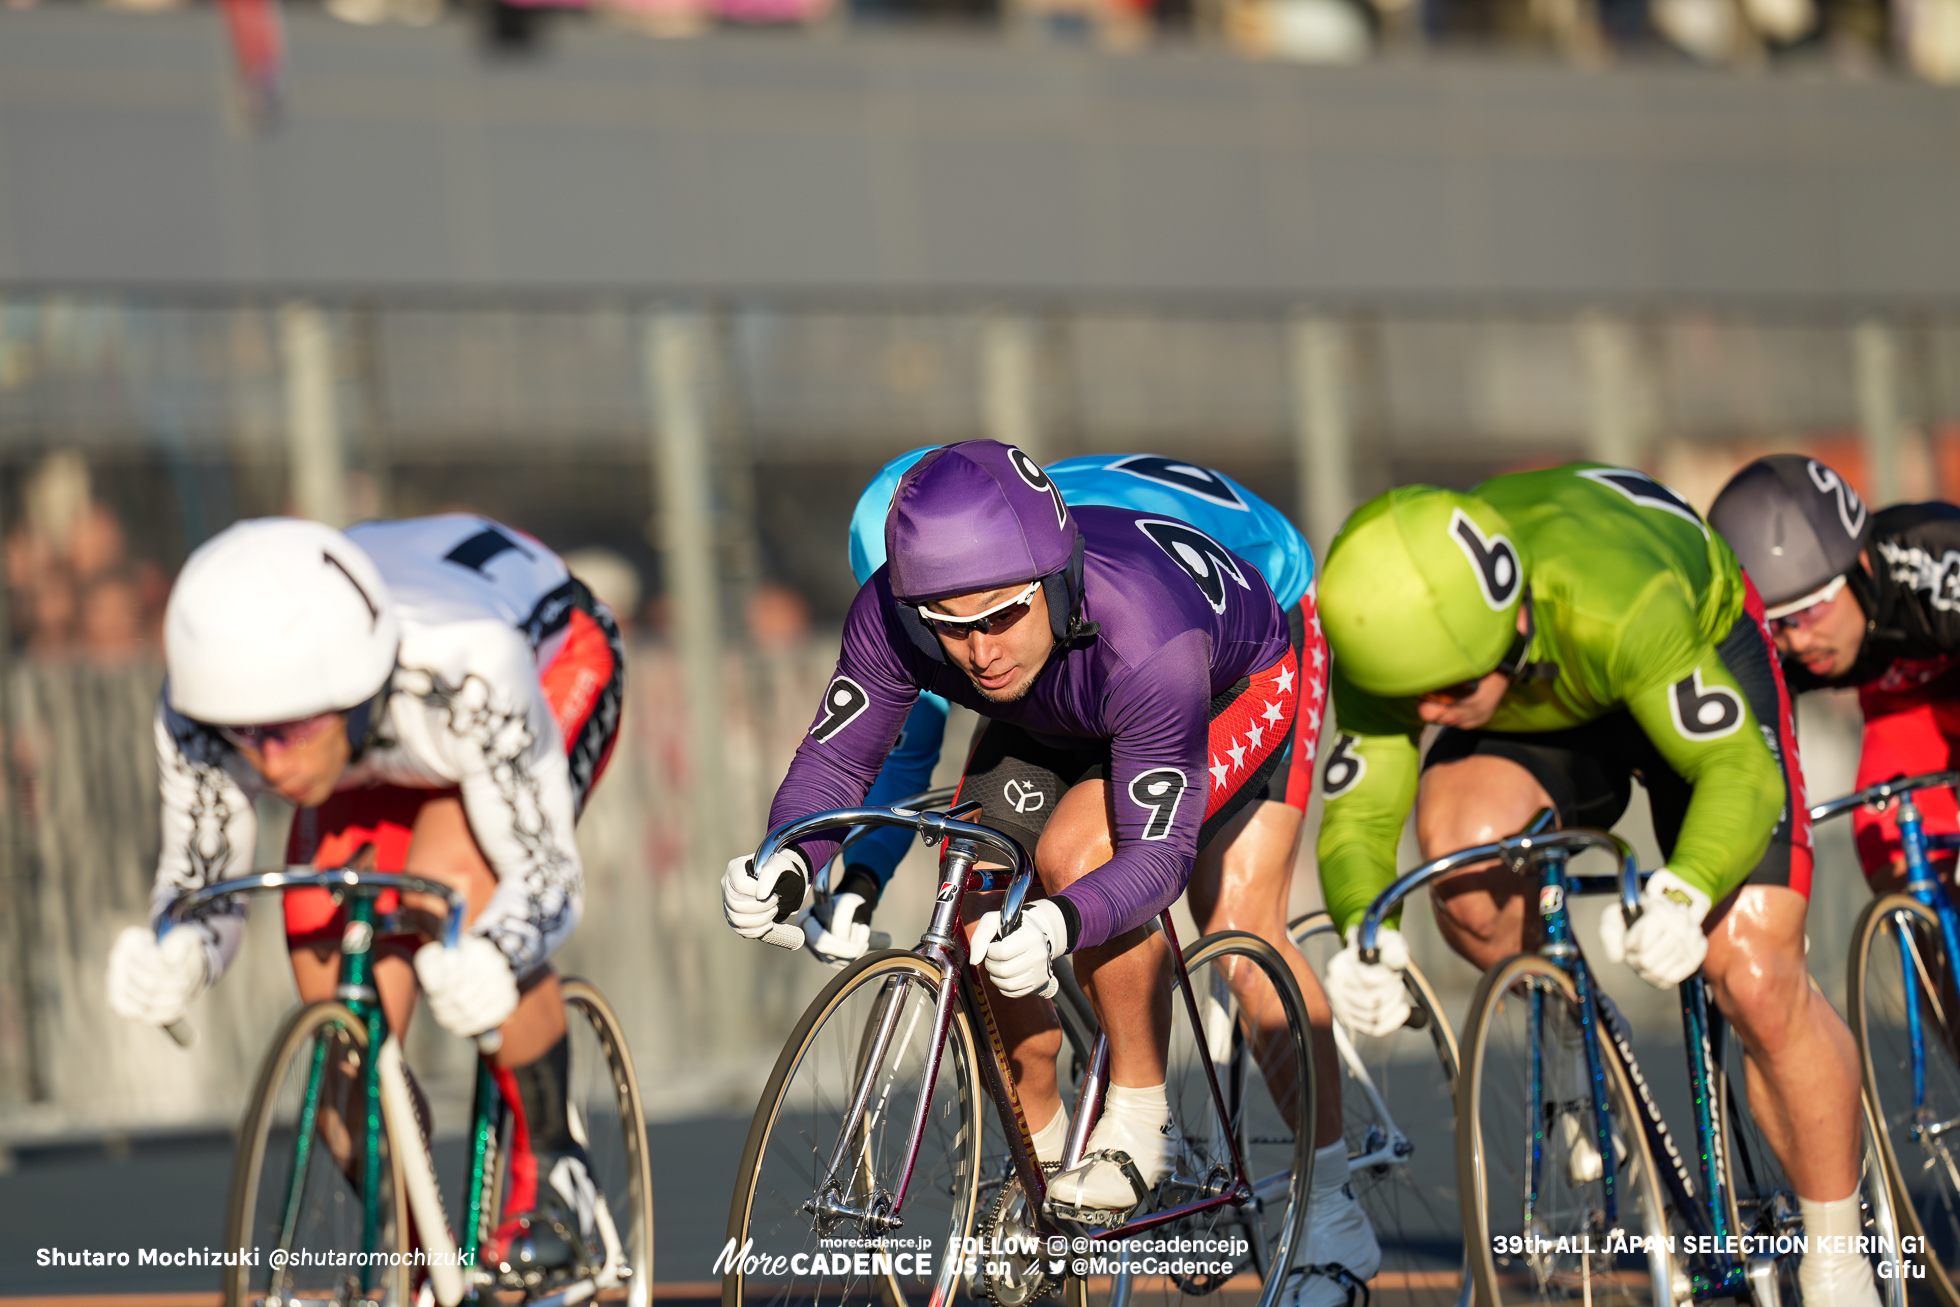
(1712, 1274)
(355, 988)
(1923, 885)
(944, 945)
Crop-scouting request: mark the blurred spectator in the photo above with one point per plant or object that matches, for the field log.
(779, 617)
(612, 580)
(72, 587)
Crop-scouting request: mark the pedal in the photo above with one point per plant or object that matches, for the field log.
(1095, 1218)
(1762, 1282)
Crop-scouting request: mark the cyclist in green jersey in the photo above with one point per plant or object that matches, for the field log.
(1569, 631)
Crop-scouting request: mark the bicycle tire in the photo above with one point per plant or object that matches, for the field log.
(622, 1172)
(1930, 1210)
(1278, 1156)
(799, 1120)
(1413, 1207)
(253, 1211)
(1492, 1119)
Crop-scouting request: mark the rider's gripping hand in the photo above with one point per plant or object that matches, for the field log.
(1369, 998)
(1666, 945)
(749, 899)
(844, 933)
(1024, 962)
(470, 987)
(155, 983)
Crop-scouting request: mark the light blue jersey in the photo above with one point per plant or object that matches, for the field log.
(1145, 483)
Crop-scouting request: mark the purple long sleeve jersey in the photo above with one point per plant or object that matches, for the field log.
(1183, 619)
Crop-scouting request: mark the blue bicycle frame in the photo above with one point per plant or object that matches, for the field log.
(1703, 1213)
(1922, 885)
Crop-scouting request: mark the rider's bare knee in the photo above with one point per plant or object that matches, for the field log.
(1765, 996)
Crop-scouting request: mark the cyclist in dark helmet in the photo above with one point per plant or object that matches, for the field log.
(1865, 599)
(1137, 673)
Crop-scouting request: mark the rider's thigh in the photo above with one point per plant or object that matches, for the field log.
(1756, 966)
(444, 848)
(1078, 838)
(1243, 878)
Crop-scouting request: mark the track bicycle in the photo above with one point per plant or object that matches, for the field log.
(862, 1172)
(334, 1187)
(1394, 1091)
(1573, 1188)
(1905, 1015)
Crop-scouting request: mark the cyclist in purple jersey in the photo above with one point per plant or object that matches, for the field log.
(1121, 660)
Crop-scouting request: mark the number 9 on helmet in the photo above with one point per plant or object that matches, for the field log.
(1421, 591)
(277, 619)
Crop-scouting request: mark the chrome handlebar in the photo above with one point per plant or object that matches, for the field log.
(1877, 796)
(1515, 851)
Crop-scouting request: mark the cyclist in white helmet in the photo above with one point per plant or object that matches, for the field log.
(441, 689)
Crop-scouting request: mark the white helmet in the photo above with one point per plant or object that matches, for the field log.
(277, 619)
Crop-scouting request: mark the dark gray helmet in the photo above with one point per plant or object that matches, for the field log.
(1795, 524)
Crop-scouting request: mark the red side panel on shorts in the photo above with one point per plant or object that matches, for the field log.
(1251, 729)
(1912, 724)
(1802, 855)
(572, 682)
(1313, 704)
(383, 816)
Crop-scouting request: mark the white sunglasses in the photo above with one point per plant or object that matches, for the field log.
(1001, 615)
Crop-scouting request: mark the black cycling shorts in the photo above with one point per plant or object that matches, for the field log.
(1589, 770)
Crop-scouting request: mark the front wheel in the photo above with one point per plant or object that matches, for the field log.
(814, 1217)
(1253, 1024)
(311, 1188)
(609, 1120)
(1397, 1108)
(1910, 1054)
(1541, 1223)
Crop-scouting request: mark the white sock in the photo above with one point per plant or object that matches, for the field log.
(1051, 1141)
(1149, 1106)
(1835, 1274)
(1842, 1218)
(1330, 1170)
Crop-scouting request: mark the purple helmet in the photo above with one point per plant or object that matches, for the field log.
(975, 516)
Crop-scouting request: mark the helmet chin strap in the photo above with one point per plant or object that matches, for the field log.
(1063, 591)
(363, 721)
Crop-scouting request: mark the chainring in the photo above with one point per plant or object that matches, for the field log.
(1016, 1270)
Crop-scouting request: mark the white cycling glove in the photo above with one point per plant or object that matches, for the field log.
(1370, 999)
(1024, 962)
(836, 936)
(155, 983)
(1666, 945)
(470, 987)
(748, 897)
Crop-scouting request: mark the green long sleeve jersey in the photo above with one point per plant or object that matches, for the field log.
(1631, 594)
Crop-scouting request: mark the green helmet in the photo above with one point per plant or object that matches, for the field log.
(1421, 591)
